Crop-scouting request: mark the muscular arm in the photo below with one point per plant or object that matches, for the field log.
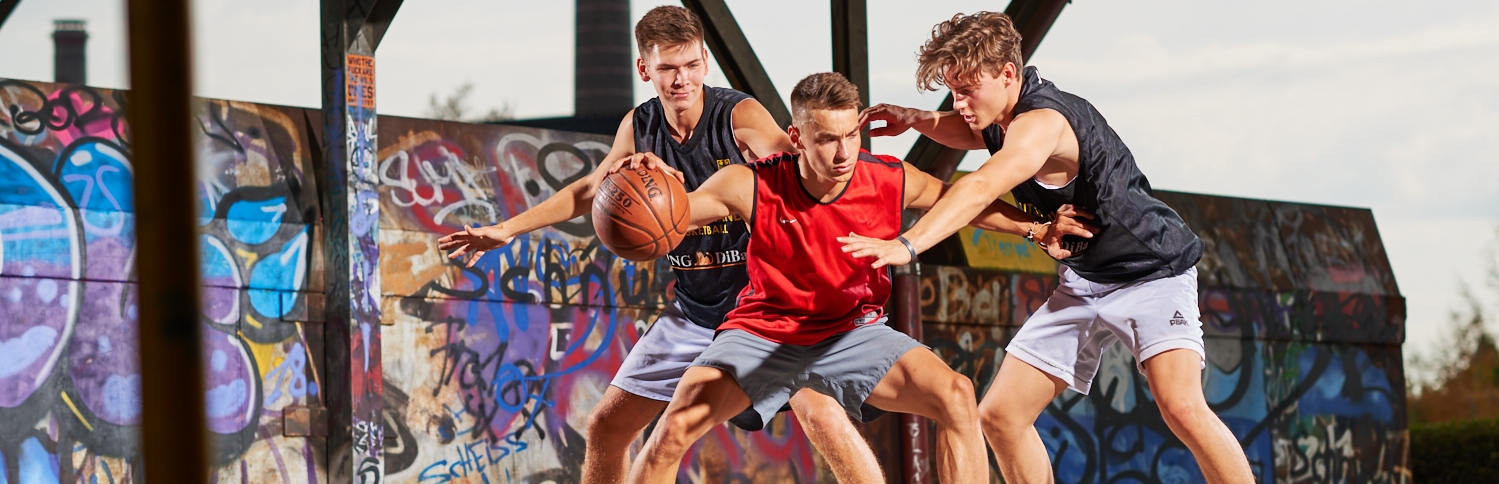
(945, 127)
(757, 132)
(923, 191)
(1032, 138)
(570, 202)
(730, 191)
(575, 199)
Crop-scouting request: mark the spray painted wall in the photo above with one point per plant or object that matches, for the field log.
(489, 372)
(1303, 324)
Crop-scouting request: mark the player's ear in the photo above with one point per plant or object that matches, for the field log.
(640, 69)
(796, 136)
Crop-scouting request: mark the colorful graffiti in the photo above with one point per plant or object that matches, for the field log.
(487, 374)
(1304, 364)
(69, 377)
(502, 362)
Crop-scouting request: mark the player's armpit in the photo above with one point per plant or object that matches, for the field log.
(756, 130)
(922, 189)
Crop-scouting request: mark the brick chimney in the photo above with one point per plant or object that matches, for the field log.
(70, 60)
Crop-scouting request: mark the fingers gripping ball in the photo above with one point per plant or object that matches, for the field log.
(640, 214)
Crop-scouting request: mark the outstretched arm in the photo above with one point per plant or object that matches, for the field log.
(1032, 138)
(730, 191)
(945, 127)
(572, 201)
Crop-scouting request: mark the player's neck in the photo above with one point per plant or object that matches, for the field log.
(683, 123)
(1012, 97)
(821, 189)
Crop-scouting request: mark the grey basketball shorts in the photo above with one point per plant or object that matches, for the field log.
(845, 367)
(1067, 336)
(658, 360)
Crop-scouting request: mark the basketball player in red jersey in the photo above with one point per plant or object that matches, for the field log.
(811, 317)
(695, 129)
(1131, 281)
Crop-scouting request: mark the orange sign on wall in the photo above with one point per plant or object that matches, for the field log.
(360, 81)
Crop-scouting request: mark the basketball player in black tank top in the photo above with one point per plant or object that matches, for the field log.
(1127, 276)
(694, 128)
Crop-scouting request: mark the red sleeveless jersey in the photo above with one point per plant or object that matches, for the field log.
(803, 288)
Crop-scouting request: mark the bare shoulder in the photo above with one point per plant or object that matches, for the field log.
(749, 113)
(1037, 121)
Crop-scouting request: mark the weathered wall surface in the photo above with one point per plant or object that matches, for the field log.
(1303, 326)
(69, 377)
(489, 372)
(497, 366)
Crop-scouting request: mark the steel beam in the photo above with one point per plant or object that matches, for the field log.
(1033, 18)
(161, 143)
(6, 7)
(736, 57)
(350, 224)
(851, 47)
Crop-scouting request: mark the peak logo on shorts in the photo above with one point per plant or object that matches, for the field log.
(1178, 320)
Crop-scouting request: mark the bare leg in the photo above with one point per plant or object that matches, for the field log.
(831, 432)
(1008, 414)
(922, 384)
(1176, 381)
(612, 425)
(705, 397)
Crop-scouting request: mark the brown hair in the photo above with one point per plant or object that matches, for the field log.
(969, 45)
(824, 90)
(666, 26)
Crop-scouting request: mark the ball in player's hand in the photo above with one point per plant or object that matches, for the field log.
(640, 214)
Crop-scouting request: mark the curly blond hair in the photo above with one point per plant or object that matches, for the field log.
(970, 45)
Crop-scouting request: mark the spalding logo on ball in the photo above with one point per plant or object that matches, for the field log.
(640, 214)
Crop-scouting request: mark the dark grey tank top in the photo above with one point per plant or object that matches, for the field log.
(1140, 238)
(709, 263)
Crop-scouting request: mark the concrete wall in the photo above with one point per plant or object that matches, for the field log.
(489, 372)
(1303, 324)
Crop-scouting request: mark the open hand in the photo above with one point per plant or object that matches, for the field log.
(1070, 221)
(648, 160)
(884, 252)
(897, 119)
(474, 241)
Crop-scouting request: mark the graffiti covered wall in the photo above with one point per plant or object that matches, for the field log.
(69, 371)
(489, 372)
(1303, 325)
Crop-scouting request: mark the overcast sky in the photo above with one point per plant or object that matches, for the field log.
(1376, 104)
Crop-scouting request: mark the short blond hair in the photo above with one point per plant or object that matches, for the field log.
(824, 90)
(968, 45)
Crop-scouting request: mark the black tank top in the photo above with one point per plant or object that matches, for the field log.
(1140, 238)
(709, 263)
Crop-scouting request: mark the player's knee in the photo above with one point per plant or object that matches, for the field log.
(607, 430)
(955, 396)
(1000, 419)
(675, 433)
(1184, 412)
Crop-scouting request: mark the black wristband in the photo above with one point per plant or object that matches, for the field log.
(908, 245)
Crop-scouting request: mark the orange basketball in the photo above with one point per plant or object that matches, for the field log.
(640, 214)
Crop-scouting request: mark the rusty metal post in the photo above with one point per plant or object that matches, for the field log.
(915, 455)
(173, 419)
(354, 388)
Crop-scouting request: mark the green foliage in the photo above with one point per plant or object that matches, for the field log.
(1462, 451)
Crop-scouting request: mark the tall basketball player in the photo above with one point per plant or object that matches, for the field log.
(696, 130)
(1133, 281)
